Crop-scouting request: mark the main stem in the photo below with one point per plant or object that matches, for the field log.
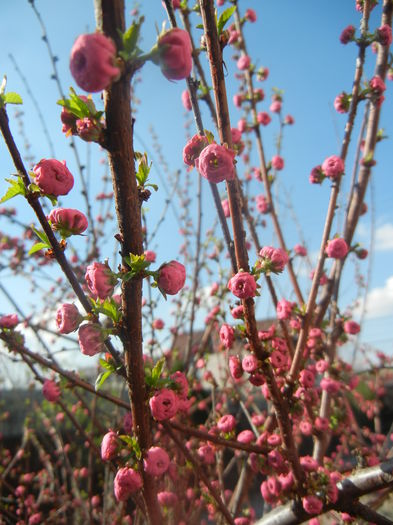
(119, 123)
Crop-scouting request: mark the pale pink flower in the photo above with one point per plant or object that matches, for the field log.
(175, 54)
(243, 62)
(333, 167)
(273, 259)
(250, 15)
(186, 100)
(68, 221)
(163, 404)
(312, 504)
(263, 118)
(226, 335)
(51, 391)
(8, 321)
(91, 340)
(243, 285)
(250, 363)
(277, 162)
(215, 163)
(171, 277)
(156, 461)
(193, 148)
(226, 423)
(347, 34)
(337, 248)
(67, 318)
(284, 309)
(53, 177)
(300, 250)
(126, 482)
(100, 280)
(109, 446)
(351, 327)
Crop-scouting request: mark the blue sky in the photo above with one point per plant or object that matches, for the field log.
(299, 43)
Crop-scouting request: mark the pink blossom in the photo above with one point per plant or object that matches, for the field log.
(262, 73)
(215, 163)
(300, 250)
(347, 34)
(109, 446)
(237, 312)
(53, 177)
(127, 422)
(250, 15)
(384, 35)
(182, 384)
(243, 62)
(225, 207)
(156, 462)
(312, 505)
(193, 149)
(316, 175)
(175, 58)
(92, 62)
(67, 318)
(226, 423)
(89, 129)
(262, 204)
(8, 321)
(164, 404)
(237, 100)
(250, 363)
(289, 120)
(307, 378)
(351, 327)
(273, 259)
(126, 482)
(91, 341)
(158, 324)
(277, 162)
(278, 359)
(235, 367)
(68, 221)
(337, 248)
(243, 285)
(206, 454)
(263, 118)
(171, 277)
(242, 125)
(305, 427)
(237, 143)
(167, 498)
(150, 256)
(35, 519)
(226, 335)
(333, 167)
(309, 464)
(342, 102)
(100, 280)
(186, 100)
(275, 106)
(234, 36)
(321, 366)
(51, 391)
(284, 309)
(377, 85)
(331, 386)
(246, 436)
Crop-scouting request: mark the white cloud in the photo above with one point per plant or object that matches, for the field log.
(379, 302)
(384, 237)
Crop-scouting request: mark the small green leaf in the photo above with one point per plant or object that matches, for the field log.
(157, 370)
(12, 98)
(224, 17)
(101, 378)
(107, 365)
(37, 247)
(16, 187)
(130, 38)
(42, 236)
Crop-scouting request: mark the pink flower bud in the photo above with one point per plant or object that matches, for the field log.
(8, 321)
(68, 221)
(262, 204)
(67, 318)
(186, 100)
(163, 404)
(150, 256)
(100, 280)
(277, 162)
(263, 118)
(333, 167)
(51, 391)
(284, 309)
(92, 62)
(312, 505)
(337, 248)
(126, 482)
(90, 338)
(300, 250)
(109, 446)
(242, 285)
(88, 129)
(384, 34)
(226, 423)
(347, 34)
(193, 149)
(171, 277)
(167, 498)
(273, 259)
(342, 102)
(235, 367)
(246, 436)
(215, 163)
(243, 62)
(175, 59)
(250, 15)
(225, 207)
(206, 454)
(275, 106)
(351, 327)
(250, 363)
(226, 335)
(53, 177)
(156, 461)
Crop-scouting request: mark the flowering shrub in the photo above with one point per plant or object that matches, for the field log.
(218, 422)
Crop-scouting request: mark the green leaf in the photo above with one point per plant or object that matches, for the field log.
(107, 365)
(101, 378)
(16, 187)
(130, 38)
(42, 236)
(12, 98)
(157, 370)
(37, 247)
(224, 17)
